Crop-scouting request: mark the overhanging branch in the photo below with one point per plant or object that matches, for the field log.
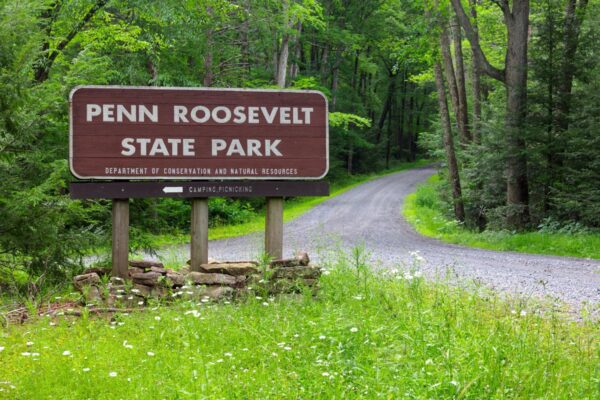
(486, 67)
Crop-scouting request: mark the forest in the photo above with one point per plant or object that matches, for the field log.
(505, 94)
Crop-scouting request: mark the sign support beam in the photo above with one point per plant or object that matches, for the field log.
(120, 238)
(274, 227)
(199, 243)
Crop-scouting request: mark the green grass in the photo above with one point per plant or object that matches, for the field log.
(422, 209)
(293, 209)
(364, 336)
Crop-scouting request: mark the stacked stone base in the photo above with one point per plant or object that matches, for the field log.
(213, 282)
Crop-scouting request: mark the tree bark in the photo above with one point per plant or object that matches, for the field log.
(283, 60)
(463, 109)
(476, 80)
(454, 177)
(514, 77)
(517, 195)
(294, 69)
(574, 15)
(386, 106)
(208, 56)
(450, 74)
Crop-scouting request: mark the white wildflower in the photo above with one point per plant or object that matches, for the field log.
(86, 370)
(2, 348)
(265, 304)
(322, 337)
(354, 329)
(157, 318)
(523, 313)
(66, 353)
(150, 354)
(112, 374)
(35, 354)
(288, 348)
(29, 344)
(25, 354)
(228, 355)
(325, 374)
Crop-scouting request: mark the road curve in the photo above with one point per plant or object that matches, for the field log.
(370, 215)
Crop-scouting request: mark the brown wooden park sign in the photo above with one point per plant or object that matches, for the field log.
(197, 143)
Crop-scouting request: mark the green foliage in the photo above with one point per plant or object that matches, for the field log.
(391, 335)
(430, 214)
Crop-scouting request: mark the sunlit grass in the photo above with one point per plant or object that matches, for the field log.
(422, 210)
(365, 336)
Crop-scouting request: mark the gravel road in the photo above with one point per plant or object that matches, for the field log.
(369, 215)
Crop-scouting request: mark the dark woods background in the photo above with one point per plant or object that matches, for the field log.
(518, 134)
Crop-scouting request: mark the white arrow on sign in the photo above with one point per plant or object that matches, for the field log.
(173, 189)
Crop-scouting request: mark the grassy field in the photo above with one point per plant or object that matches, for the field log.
(364, 336)
(293, 208)
(423, 210)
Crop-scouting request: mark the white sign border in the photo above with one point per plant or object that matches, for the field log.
(194, 178)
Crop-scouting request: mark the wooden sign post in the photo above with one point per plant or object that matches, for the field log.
(120, 237)
(142, 133)
(199, 243)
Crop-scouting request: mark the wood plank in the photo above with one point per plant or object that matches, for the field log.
(274, 228)
(199, 242)
(120, 237)
(187, 189)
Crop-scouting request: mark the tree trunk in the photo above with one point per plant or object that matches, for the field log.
(463, 109)
(350, 157)
(514, 77)
(400, 135)
(453, 174)
(517, 195)
(476, 81)
(297, 54)
(388, 144)
(334, 87)
(283, 60)
(410, 128)
(355, 73)
(245, 39)
(574, 15)
(452, 84)
(324, 64)
(386, 106)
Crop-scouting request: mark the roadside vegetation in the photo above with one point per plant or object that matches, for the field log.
(366, 335)
(431, 215)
